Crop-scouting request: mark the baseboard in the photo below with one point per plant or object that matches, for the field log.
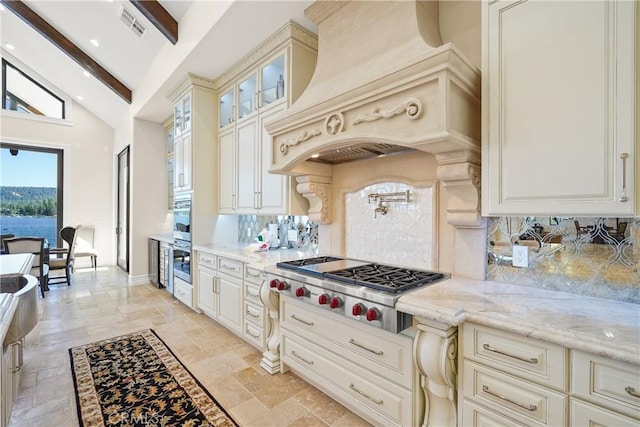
(142, 279)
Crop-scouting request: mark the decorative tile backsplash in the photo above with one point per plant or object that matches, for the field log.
(402, 236)
(590, 256)
(249, 226)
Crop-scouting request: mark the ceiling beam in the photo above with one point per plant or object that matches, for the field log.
(158, 15)
(36, 22)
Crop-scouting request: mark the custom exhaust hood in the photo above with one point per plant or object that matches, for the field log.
(384, 83)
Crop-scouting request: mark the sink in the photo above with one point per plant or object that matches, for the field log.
(25, 288)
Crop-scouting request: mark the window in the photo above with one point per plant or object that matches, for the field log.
(23, 94)
(31, 204)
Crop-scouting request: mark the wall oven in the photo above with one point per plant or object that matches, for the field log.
(182, 217)
(182, 259)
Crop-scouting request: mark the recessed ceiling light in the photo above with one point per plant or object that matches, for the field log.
(86, 73)
(9, 46)
(80, 98)
(95, 42)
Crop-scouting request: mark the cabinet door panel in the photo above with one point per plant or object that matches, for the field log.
(206, 291)
(230, 303)
(272, 186)
(186, 165)
(247, 165)
(560, 107)
(226, 170)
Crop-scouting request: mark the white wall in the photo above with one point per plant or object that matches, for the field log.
(460, 24)
(88, 169)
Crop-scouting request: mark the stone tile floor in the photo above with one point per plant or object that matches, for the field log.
(100, 304)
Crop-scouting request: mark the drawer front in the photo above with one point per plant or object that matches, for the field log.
(230, 266)
(381, 351)
(253, 275)
(183, 292)
(207, 260)
(474, 415)
(585, 414)
(538, 361)
(254, 313)
(252, 293)
(374, 393)
(513, 397)
(605, 382)
(254, 334)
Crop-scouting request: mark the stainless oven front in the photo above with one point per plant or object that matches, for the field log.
(182, 260)
(182, 217)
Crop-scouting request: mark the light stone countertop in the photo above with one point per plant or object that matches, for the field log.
(243, 252)
(605, 327)
(164, 237)
(8, 306)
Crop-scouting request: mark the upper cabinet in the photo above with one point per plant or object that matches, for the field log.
(559, 99)
(257, 89)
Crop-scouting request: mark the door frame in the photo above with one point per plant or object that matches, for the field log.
(126, 199)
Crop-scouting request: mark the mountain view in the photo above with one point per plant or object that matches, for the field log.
(28, 201)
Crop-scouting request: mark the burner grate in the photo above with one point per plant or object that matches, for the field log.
(384, 277)
(295, 264)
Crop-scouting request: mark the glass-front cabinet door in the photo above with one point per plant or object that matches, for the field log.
(177, 119)
(247, 94)
(272, 81)
(186, 112)
(227, 108)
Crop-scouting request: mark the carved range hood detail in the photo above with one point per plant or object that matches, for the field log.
(384, 82)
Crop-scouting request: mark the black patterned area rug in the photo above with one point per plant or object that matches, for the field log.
(135, 380)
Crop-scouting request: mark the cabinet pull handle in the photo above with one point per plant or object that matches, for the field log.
(308, 362)
(181, 180)
(532, 360)
(293, 316)
(632, 391)
(624, 157)
(232, 268)
(251, 294)
(376, 352)
(233, 114)
(255, 99)
(253, 315)
(530, 408)
(255, 336)
(233, 201)
(373, 399)
(17, 368)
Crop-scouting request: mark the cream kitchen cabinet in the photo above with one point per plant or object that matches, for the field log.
(207, 282)
(229, 294)
(183, 291)
(182, 163)
(255, 329)
(259, 87)
(511, 378)
(559, 118)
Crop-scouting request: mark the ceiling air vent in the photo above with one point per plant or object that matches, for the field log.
(132, 22)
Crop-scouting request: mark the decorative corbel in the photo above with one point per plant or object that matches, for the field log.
(316, 189)
(271, 357)
(459, 173)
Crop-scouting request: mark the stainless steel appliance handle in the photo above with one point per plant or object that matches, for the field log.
(293, 316)
(308, 362)
(373, 399)
(530, 408)
(532, 360)
(624, 157)
(376, 352)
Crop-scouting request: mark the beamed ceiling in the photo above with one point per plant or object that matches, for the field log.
(131, 74)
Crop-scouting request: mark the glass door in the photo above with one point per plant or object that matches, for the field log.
(122, 226)
(227, 108)
(272, 81)
(247, 94)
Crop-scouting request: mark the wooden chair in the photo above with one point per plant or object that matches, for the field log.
(35, 246)
(64, 257)
(618, 233)
(580, 230)
(85, 244)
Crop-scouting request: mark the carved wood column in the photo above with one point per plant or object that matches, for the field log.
(459, 173)
(271, 356)
(435, 355)
(316, 189)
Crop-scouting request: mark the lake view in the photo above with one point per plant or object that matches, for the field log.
(25, 226)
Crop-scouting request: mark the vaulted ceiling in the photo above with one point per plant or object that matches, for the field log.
(143, 64)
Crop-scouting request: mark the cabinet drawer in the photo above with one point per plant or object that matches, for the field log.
(183, 292)
(254, 313)
(474, 415)
(253, 275)
(383, 352)
(252, 293)
(586, 414)
(230, 266)
(535, 360)
(207, 260)
(254, 334)
(375, 394)
(512, 397)
(606, 382)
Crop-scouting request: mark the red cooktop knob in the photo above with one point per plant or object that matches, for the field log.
(283, 286)
(373, 314)
(301, 292)
(323, 299)
(358, 309)
(335, 302)
(273, 283)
